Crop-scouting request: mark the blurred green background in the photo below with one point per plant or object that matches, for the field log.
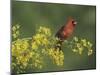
(31, 15)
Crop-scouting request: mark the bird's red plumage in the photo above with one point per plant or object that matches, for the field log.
(66, 31)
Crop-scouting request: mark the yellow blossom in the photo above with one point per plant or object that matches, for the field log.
(90, 52)
(74, 50)
(75, 39)
(34, 45)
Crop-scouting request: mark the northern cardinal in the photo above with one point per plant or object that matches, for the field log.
(65, 32)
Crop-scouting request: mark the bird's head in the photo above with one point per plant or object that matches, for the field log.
(72, 21)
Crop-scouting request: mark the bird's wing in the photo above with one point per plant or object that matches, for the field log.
(59, 33)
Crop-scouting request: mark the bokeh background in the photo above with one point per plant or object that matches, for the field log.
(31, 15)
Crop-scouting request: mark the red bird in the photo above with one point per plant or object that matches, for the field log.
(65, 32)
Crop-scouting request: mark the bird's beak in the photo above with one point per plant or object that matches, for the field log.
(75, 23)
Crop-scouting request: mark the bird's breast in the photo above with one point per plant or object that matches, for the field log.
(67, 32)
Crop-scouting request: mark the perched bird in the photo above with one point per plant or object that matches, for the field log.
(65, 32)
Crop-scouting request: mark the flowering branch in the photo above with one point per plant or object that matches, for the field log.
(30, 53)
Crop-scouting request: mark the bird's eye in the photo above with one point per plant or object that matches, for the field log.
(72, 22)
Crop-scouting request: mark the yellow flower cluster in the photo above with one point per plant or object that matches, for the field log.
(30, 52)
(21, 53)
(57, 56)
(43, 40)
(44, 30)
(15, 31)
(82, 44)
